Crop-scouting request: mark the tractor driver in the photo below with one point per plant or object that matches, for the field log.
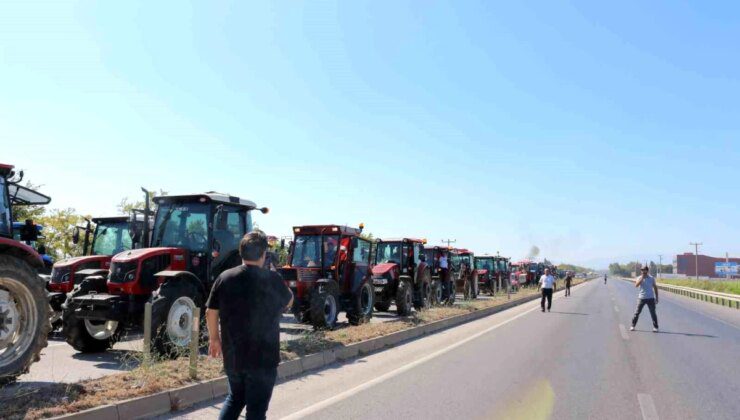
(330, 251)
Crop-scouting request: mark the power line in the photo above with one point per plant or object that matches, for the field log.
(449, 241)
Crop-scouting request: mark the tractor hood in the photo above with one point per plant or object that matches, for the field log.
(384, 268)
(137, 254)
(70, 262)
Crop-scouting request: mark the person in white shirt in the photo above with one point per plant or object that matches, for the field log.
(444, 268)
(547, 285)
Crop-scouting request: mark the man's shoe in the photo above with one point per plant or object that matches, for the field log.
(632, 328)
(543, 309)
(655, 330)
(548, 309)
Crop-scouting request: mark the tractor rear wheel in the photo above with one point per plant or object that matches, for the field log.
(425, 297)
(24, 317)
(404, 297)
(362, 305)
(172, 323)
(324, 305)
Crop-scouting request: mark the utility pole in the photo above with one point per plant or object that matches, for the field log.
(449, 241)
(696, 256)
(727, 264)
(660, 264)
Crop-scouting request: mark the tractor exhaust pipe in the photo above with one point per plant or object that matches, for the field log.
(145, 229)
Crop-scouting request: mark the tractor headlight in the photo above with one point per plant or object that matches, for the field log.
(130, 276)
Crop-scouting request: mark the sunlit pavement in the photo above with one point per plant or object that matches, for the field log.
(578, 361)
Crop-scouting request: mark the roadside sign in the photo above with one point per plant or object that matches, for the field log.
(725, 268)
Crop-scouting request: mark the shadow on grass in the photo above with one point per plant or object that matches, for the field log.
(18, 400)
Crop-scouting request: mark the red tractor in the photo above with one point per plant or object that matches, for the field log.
(195, 238)
(401, 274)
(329, 272)
(487, 270)
(110, 236)
(443, 289)
(24, 310)
(466, 277)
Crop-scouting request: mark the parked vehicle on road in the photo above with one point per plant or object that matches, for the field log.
(24, 310)
(466, 277)
(329, 272)
(195, 238)
(401, 275)
(443, 288)
(487, 270)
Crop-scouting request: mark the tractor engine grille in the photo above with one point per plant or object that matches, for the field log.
(119, 271)
(308, 275)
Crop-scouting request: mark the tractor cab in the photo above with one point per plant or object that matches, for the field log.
(194, 239)
(401, 274)
(487, 271)
(329, 272)
(443, 288)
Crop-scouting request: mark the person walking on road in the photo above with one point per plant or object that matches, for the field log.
(568, 281)
(246, 302)
(604, 278)
(647, 295)
(547, 285)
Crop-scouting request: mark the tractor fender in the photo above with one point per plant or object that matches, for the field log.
(22, 251)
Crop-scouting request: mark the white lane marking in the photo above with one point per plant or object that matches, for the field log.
(616, 308)
(623, 331)
(312, 409)
(647, 407)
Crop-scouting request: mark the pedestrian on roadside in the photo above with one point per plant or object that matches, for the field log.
(547, 285)
(445, 272)
(647, 295)
(246, 302)
(568, 280)
(604, 278)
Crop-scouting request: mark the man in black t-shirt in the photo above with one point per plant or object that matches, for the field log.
(246, 302)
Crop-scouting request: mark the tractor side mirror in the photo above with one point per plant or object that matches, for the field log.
(76, 236)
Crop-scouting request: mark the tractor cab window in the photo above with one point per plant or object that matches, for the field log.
(483, 264)
(454, 262)
(307, 251)
(4, 209)
(182, 225)
(433, 262)
(228, 228)
(111, 238)
(361, 253)
(388, 252)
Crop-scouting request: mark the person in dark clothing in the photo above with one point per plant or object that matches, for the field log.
(568, 281)
(647, 295)
(547, 285)
(246, 302)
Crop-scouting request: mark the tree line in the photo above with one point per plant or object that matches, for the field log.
(632, 268)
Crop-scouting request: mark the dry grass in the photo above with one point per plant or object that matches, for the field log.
(157, 376)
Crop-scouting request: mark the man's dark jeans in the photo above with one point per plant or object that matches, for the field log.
(651, 305)
(546, 294)
(252, 389)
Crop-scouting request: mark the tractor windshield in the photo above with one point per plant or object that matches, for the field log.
(182, 225)
(484, 264)
(466, 259)
(388, 252)
(4, 209)
(111, 238)
(307, 251)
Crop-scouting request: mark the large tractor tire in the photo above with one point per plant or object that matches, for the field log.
(361, 310)
(88, 336)
(172, 319)
(24, 317)
(437, 292)
(404, 297)
(325, 306)
(424, 292)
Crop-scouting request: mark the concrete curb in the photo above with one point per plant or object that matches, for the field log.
(180, 398)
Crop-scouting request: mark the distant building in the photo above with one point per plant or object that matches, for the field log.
(685, 264)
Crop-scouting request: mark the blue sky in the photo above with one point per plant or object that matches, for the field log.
(594, 131)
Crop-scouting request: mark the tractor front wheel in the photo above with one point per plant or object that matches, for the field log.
(404, 298)
(24, 317)
(325, 305)
(362, 305)
(88, 336)
(172, 323)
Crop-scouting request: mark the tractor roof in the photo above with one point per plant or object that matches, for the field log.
(210, 196)
(110, 219)
(487, 257)
(22, 196)
(326, 230)
(414, 240)
(5, 169)
(463, 251)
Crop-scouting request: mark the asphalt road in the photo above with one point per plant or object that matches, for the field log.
(578, 361)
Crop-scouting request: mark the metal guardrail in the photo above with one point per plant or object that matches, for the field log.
(724, 299)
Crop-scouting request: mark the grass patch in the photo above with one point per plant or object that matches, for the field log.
(159, 375)
(720, 286)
